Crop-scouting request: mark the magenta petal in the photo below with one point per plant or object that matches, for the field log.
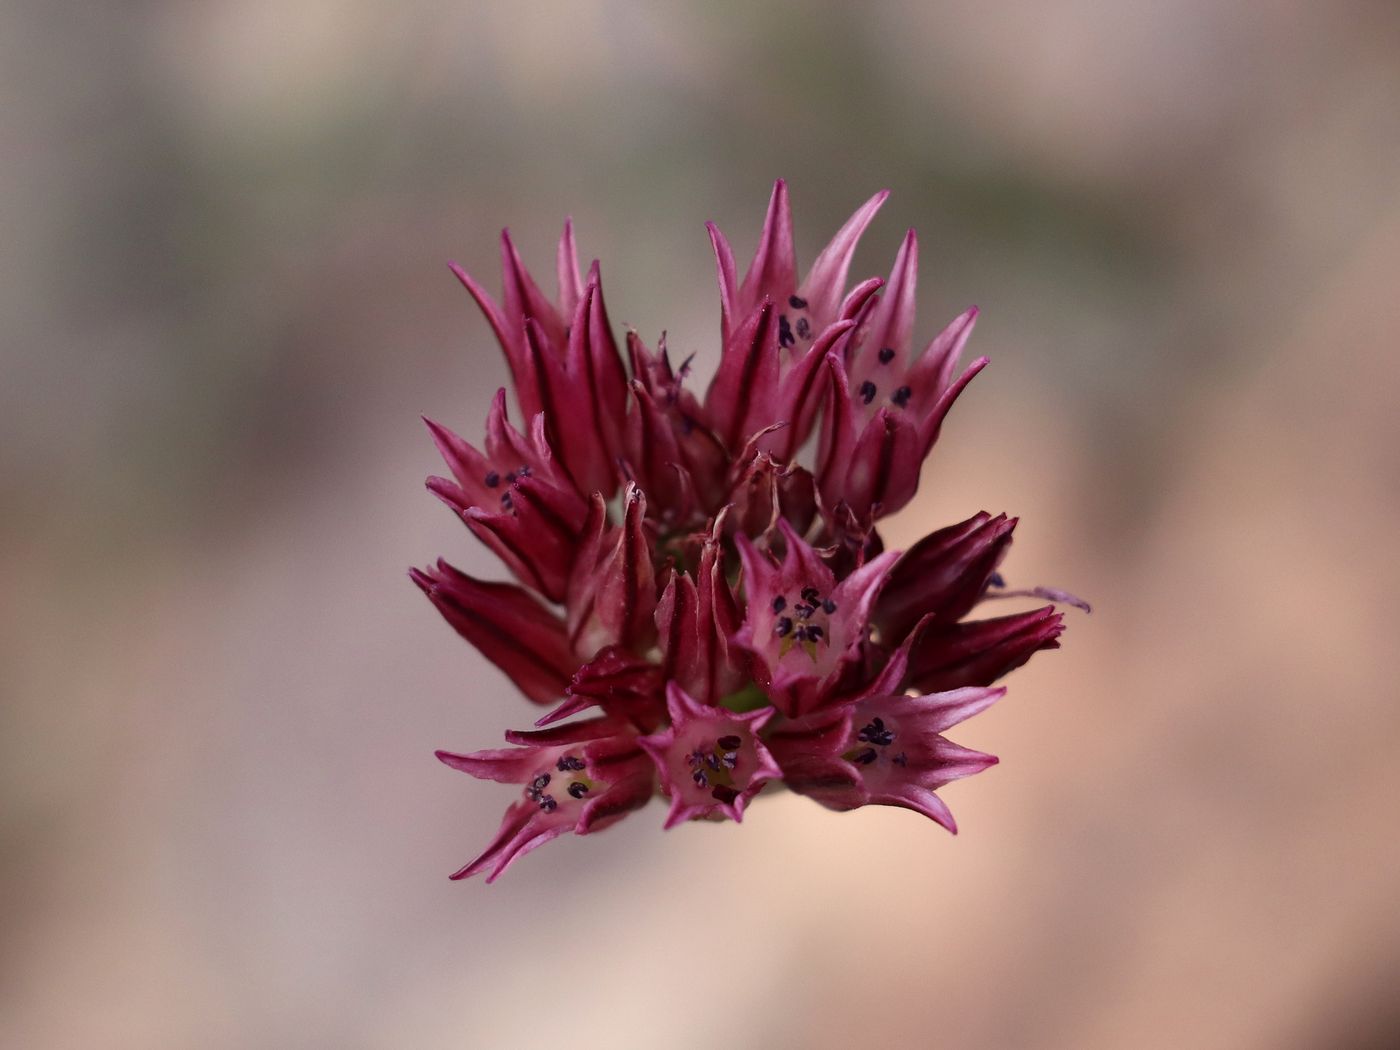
(566, 266)
(521, 298)
(743, 394)
(612, 588)
(803, 388)
(616, 802)
(728, 282)
(945, 710)
(626, 687)
(883, 473)
(933, 372)
(980, 652)
(891, 326)
(773, 272)
(536, 544)
(943, 575)
(930, 425)
(509, 627)
(711, 760)
(512, 339)
(921, 800)
(509, 765)
(826, 280)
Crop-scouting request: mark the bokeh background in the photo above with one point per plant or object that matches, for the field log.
(225, 306)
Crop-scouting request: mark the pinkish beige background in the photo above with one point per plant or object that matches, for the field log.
(224, 307)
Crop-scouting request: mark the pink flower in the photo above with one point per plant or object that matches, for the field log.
(884, 410)
(701, 605)
(579, 777)
(805, 629)
(711, 759)
(886, 750)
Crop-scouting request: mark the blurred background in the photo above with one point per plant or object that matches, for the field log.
(225, 305)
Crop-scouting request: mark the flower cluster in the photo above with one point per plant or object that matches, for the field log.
(702, 579)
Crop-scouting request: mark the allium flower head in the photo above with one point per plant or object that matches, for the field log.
(702, 598)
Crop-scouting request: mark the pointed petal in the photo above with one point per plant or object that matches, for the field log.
(507, 765)
(930, 375)
(883, 473)
(802, 390)
(980, 652)
(509, 627)
(826, 280)
(743, 394)
(532, 542)
(566, 265)
(920, 800)
(728, 283)
(838, 436)
(930, 425)
(511, 337)
(522, 299)
(616, 802)
(944, 575)
(468, 466)
(942, 711)
(954, 762)
(891, 326)
(773, 272)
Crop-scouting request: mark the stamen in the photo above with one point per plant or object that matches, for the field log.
(492, 479)
(784, 627)
(723, 793)
(785, 331)
(901, 759)
(865, 757)
(548, 804)
(867, 391)
(796, 303)
(803, 611)
(875, 733)
(700, 778)
(811, 595)
(510, 477)
(814, 632)
(729, 743)
(886, 355)
(779, 604)
(568, 763)
(804, 330)
(828, 606)
(578, 789)
(901, 396)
